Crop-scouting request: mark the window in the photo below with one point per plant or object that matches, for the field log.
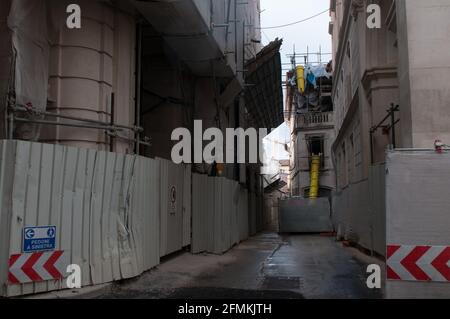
(316, 146)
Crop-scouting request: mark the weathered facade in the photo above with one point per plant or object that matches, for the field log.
(134, 72)
(403, 63)
(115, 89)
(312, 133)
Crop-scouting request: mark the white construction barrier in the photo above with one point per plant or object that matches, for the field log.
(418, 224)
(175, 190)
(219, 214)
(304, 215)
(358, 212)
(100, 210)
(113, 215)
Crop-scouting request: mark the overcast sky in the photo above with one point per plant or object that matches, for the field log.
(312, 33)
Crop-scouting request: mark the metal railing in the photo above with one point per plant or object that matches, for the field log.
(315, 119)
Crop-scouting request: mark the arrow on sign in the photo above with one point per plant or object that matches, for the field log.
(418, 263)
(442, 263)
(37, 267)
(29, 233)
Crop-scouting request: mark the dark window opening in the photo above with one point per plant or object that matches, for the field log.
(316, 146)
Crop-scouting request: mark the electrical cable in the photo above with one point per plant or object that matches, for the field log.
(296, 22)
(266, 36)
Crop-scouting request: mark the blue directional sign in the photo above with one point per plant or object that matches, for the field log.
(41, 238)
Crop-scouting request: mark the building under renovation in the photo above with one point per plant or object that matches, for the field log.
(390, 95)
(87, 116)
(309, 113)
(98, 96)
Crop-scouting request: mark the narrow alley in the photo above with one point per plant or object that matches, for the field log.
(191, 150)
(267, 266)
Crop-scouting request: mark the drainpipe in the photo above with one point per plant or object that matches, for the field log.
(392, 111)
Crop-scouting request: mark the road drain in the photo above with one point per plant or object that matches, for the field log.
(282, 283)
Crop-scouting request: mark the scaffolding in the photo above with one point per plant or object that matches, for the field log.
(310, 105)
(324, 87)
(16, 113)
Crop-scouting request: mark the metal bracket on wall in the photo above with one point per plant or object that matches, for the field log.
(389, 128)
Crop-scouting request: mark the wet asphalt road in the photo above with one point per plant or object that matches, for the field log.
(267, 266)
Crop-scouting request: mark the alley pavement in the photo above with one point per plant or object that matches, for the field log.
(266, 266)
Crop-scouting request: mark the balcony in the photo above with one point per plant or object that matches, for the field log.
(316, 120)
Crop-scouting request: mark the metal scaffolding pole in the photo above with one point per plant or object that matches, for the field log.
(110, 128)
(74, 118)
(100, 127)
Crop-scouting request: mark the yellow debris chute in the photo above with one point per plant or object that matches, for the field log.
(301, 78)
(315, 175)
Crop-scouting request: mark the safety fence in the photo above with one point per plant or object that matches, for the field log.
(101, 210)
(402, 212)
(418, 224)
(359, 211)
(111, 214)
(175, 206)
(220, 216)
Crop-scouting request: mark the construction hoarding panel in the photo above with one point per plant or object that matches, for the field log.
(243, 215)
(418, 223)
(105, 207)
(187, 206)
(171, 210)
(219, 214)
(300, 215)
(359, 211)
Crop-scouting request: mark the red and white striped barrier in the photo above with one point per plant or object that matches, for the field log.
(418, 263)
(36, 267)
